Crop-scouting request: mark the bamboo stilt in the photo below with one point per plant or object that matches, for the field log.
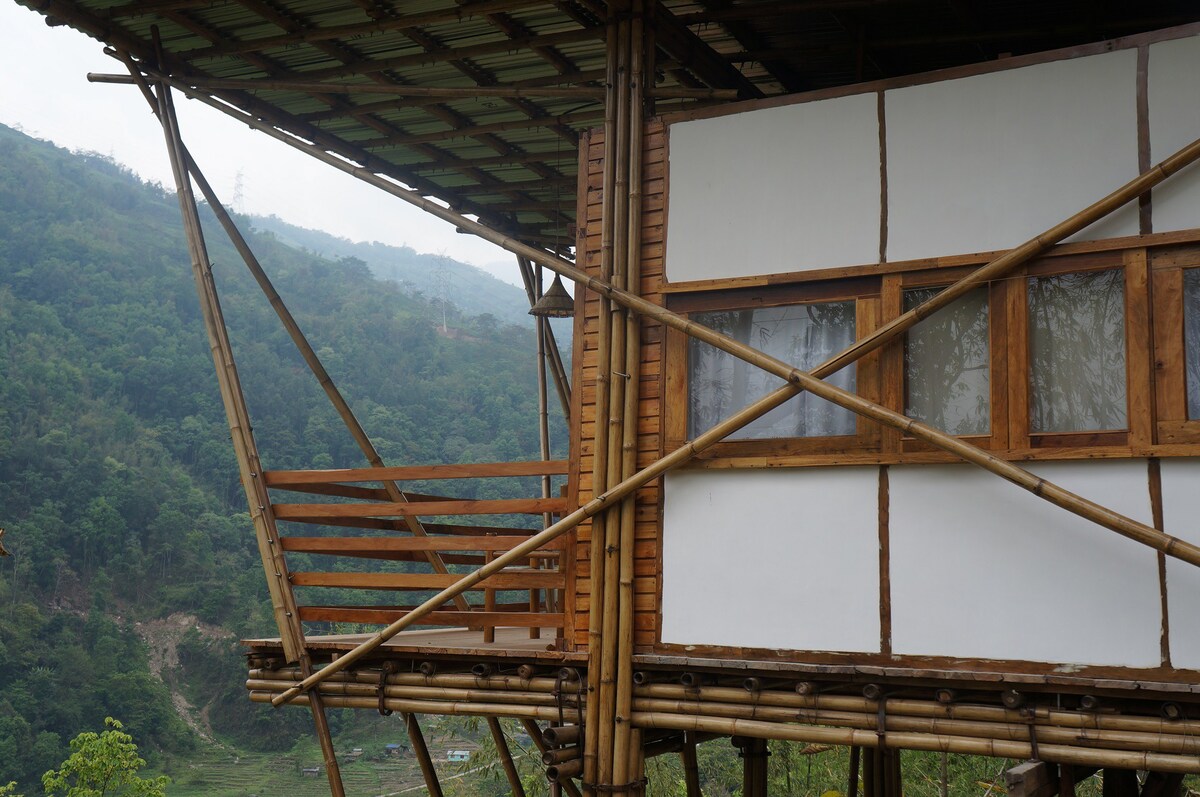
(245, 448)
(691, 770)
(421, 751)
(506, 759)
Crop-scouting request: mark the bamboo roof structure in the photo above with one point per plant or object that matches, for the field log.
(480, 104)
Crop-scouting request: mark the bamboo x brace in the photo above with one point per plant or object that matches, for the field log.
(798, 380)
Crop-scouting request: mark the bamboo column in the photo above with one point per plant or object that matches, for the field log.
(421, 751)
(287, 616)
(593, 746)
(627, 756)
(691, 770)
(506, 759)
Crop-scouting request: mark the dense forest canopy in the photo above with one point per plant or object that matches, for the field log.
(117, 482)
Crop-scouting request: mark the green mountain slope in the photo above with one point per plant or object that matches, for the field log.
(117, 482)
(472, 290)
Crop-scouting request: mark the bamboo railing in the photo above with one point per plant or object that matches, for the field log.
(362, 504)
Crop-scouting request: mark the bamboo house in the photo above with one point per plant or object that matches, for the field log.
(884, 394)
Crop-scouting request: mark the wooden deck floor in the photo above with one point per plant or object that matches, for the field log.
(509, 643)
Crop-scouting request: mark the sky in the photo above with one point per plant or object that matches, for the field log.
(44, 91)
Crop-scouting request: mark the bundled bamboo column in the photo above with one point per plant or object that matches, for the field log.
(593, 743)
(287, 616)
(628, 756)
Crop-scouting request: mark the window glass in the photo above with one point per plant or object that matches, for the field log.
(1191, 338)
(946, 364)
(1077, 352)
(803, 335)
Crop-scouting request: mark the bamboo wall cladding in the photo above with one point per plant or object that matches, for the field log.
(587, 326)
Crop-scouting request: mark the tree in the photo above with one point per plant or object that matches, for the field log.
(103, 764)
(10, 790)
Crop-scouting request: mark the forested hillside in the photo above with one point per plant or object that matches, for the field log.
(118, 487)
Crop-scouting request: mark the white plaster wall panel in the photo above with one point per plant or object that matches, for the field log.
(775, 190)
(983, 569)
(1174, 99)
(780, 559)
(987, 162)
(1181, 518)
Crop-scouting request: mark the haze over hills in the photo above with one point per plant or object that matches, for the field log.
(436, 277)
(134, 564)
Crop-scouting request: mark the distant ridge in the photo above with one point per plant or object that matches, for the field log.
(468, 287)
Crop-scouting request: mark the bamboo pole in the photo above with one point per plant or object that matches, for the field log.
(506, 759)
(994, 748)
(1139, 532)
(591, 746)
(1124, 740)
(691, 769)
(535, 733)
(421, 751)
(494, 683)
(627, 757)
(543, 324)
(1039, 715)
(307, 353)
(562, 385)
(514, 711)
(246, 450)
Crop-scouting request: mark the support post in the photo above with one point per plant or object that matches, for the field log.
(506, 759)
(691, 770)
(246, 450)
(1032, 779)
(421, 751)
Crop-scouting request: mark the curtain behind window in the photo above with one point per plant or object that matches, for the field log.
(803, 335)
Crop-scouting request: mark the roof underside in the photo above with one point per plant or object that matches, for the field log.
(510, 158)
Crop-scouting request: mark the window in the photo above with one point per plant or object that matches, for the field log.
(1077, 379)
(947, 364)
(804, 335)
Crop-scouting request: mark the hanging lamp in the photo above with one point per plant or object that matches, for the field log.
(555, 302)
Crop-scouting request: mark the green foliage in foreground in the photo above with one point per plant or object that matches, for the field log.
(102, 764)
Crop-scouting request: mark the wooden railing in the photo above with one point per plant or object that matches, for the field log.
(436, 550)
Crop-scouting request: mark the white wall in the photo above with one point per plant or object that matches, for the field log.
(784, 559)
(1174, 97)
(974, 164)
(1181, 518)
(984, 569)
(782, 189)
(989, 161)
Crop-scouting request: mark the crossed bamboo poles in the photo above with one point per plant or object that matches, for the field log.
(797, 380)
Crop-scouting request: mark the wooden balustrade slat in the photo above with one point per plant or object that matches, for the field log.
(475, 619)
(349, 546)
(509, 579)
(483, 470)
(501, 506)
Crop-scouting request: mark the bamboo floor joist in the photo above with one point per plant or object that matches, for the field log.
(1101, 738)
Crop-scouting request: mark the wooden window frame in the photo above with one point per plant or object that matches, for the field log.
(1172, 426)
(894, 375)
(1156, 390)
(864, 292)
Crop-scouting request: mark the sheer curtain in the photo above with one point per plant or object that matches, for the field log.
(947, 362)
(803, 335)
(1077, 352)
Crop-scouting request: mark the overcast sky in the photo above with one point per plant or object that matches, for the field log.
(44, 91)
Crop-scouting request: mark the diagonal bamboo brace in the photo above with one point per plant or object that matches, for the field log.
(798, 380)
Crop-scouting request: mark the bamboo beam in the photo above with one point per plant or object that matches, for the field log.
(515, 711)
(995, 748)
(237, 415)
(535, 733)
(506, 759)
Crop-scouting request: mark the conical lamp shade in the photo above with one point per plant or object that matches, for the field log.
(555, 302)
